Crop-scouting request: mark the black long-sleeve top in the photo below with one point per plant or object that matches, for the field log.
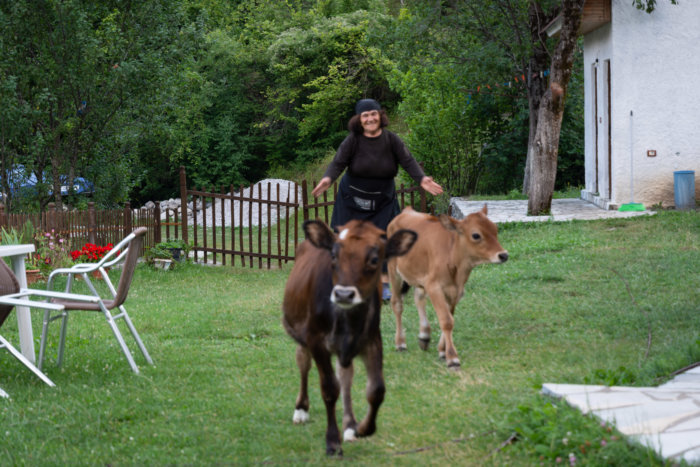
(375, 158)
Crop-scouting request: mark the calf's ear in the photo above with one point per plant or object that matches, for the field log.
(319, 234)
(400, 243)
(448, 223)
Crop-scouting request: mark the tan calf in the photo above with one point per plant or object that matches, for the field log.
(439, 265)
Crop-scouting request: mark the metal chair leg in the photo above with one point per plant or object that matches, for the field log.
(18, 355)
(135, 334)
(120, 339)
(44, 337)
(62, 341)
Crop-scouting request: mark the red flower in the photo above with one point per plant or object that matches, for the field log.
(90, 253)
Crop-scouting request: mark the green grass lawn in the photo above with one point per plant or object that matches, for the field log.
(611, 301)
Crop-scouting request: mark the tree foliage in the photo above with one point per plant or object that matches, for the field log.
(85, 77)
(487, 50)
(648, 5)
(124, 93)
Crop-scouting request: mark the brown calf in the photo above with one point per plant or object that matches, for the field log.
(439, 265)
(332, 307)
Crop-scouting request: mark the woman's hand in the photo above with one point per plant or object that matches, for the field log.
(321, 187)
(430, 186)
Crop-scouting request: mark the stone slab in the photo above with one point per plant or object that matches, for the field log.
(664, 418)
(516, 210)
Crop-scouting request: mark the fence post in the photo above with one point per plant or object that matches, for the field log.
(423, 201)
(92, 223)
(3, 215)
(127, 219)
(183, 203)
(304, 201)
(51, 217)
(157, 234)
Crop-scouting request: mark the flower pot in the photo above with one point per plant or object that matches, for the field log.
(33, 275)
(162, 263)
(175, 252)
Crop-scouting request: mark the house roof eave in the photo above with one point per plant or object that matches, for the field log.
(596, 13)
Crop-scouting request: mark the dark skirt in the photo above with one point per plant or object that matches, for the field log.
(365, 199)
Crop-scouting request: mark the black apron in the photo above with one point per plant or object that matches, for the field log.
(365, 199)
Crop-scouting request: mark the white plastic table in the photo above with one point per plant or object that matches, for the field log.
(17, 253)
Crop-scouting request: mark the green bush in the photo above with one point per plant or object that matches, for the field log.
(164, 250)
(14, 236)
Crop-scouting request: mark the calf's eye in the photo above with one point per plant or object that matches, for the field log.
(373, 260)
(334, 253)
(476, 236)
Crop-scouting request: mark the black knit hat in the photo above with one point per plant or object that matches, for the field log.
(364, 105)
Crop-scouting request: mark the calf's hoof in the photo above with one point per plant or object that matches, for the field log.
(350, 435)
(454, 365)
(401, 347)
(366, 429)
(424, 342)
(300, 416)
(333, 442)
(334, 451)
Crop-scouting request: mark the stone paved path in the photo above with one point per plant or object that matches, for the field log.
(665, 418)
(516, 210)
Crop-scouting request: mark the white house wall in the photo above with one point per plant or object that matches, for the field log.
(655, 73)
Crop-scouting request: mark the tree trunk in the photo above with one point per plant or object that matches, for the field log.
(544, 148)
(537, 82)
(55, 179)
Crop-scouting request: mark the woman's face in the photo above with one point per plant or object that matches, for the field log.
(370, 121)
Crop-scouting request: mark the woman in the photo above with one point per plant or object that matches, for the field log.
(372, 156)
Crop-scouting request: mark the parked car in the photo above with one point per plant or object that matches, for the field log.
(23, 183)
(80, 186)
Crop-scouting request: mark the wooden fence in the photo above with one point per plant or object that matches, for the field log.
(257, 226)
(95, 226)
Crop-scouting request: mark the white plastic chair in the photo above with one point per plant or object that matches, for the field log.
(60, 304)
